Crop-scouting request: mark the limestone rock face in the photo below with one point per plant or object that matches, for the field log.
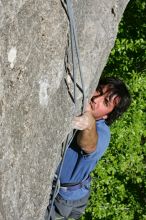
(35, 107)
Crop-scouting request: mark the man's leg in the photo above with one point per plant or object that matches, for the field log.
(54, 215)
(67, 210)
(79, 207)
(63, 207)
(59, 217)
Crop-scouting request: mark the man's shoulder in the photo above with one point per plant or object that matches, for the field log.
(101, 125)
(103, 131)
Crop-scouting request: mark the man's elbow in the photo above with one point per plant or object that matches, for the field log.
(87, 147)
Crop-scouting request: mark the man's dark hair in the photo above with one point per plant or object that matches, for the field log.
(116, 87)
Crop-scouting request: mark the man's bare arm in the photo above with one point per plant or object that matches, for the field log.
(87, 136)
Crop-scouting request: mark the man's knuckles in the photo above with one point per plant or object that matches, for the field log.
(83, 122)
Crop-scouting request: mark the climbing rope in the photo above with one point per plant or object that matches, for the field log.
(75, 48)
(67, 142)
(71, 135)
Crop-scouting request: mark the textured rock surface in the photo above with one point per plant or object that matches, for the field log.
(35, 108)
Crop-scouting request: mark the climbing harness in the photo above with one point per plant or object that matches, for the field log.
(71, 135)
(70, 187)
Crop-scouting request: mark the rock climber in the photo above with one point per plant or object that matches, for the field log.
(108, 102)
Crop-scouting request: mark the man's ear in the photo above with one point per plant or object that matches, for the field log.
(105, 116)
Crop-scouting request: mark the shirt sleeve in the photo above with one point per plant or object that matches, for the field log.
(103, 132)
(103, 139)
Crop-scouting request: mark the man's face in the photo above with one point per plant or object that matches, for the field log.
(102, 104)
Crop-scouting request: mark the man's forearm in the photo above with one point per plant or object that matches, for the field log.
(87, 139)
(87, 136)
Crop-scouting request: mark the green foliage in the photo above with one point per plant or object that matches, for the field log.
(119, 181)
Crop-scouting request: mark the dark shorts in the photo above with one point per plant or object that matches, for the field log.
(68, 209)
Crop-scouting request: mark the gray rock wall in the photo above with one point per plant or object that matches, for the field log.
(35, 108)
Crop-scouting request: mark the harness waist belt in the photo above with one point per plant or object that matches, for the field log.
(75, 186)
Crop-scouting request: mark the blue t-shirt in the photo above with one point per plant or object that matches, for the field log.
(78, 164)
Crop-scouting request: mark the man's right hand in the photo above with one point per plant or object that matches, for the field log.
(83, 122)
